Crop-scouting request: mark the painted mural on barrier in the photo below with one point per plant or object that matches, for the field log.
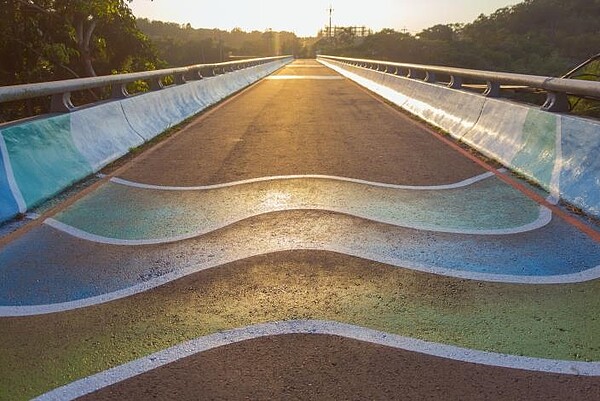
(556, 151)
(44, 156)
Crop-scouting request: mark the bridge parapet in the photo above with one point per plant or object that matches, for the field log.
(556, 89)
(558, 151)
(61, 90)
(42, 156)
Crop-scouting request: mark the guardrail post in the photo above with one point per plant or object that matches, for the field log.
(411, 74)
(493, 89)
(119, 91)
(156, 84)
(180, 79)
(61, 103)
(557, 102)
(193, 75)
(207, 72)
(456, 82)
(430, 77)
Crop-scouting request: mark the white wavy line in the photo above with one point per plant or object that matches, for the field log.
(544, 218)
(140, 366)
(33, 310)
(460, 184)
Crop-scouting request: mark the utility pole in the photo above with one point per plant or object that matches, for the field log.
(330, 15)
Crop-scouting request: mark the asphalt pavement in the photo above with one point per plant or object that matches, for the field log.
(301, 240)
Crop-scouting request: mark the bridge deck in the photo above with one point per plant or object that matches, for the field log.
(307, 126)
(312, 242)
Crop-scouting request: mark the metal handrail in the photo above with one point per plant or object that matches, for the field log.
(61, 90)
(557, 88)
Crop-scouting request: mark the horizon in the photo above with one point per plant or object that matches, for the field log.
(307, 18)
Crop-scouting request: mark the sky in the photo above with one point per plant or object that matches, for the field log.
(307, 17)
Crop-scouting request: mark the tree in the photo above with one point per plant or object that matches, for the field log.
(443, 33)
(542, 37)
(73, 34)
(180, 45)
(46, 40)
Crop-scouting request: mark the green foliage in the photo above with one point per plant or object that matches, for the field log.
(542, 37)
(182, 45)
(47, 40)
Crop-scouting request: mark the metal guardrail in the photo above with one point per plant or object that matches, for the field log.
(61, 90)
(556, 89)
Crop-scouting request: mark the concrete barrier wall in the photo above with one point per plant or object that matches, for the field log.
(521, 137)
(580, 163)
(41, 157)
(114, 139)
(454, 111)
(559, 152)
(163, 109)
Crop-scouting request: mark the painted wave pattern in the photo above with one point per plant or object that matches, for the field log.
(97, 273)
(548, 322)
(479, 230)
(124, 213)
(105, 379)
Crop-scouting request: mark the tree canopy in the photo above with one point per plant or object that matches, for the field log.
(45, 40)
(544, 37)
(183, 45)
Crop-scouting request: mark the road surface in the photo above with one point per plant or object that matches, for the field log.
(301, 240)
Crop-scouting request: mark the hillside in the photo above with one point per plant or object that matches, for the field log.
(545, 37)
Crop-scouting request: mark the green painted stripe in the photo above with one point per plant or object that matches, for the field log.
(555, 321)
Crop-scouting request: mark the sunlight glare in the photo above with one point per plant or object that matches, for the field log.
(307, 17)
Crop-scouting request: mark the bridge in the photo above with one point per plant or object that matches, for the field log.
(331, 228)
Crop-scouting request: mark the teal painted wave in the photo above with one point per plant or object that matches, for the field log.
(129, 213)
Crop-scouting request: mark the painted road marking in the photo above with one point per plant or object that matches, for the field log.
(315, 327)
(304, 66)
(544, 218)
(305, 77)
(461, 184)
(200, 262)
(137, 217)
